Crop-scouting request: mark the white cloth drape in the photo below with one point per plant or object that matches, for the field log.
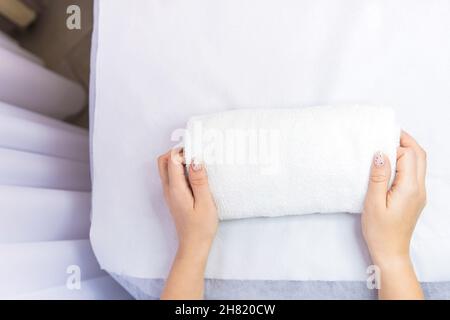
(36, 136)
(44, 187)
(31, 86)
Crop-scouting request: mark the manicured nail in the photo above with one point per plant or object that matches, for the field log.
(196, 166)
(378, 159)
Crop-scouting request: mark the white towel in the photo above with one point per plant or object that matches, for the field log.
(276, 162)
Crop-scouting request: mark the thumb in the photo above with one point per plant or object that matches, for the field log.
(199, 183)
(380, 174)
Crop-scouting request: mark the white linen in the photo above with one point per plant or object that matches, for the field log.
(36, 266)
(20, 168)
(100, 288)
(40, 226)
(31, 135)
(279, 162)
(181, 59)
(46, 91)
(8, 110)
(35, 214)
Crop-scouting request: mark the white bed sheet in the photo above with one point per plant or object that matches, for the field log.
(207, 56)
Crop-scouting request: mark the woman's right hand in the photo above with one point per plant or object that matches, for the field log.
(390, 215)
(195, 216)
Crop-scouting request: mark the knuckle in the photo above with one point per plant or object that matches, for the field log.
(161, 162)
(409, 152)
(412, 190)
(411, 155)
(198, 180)
(378, 177)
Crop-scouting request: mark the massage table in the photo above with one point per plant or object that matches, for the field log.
(393, 53)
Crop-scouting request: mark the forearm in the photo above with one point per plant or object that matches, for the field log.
(398, 280)
(186, 278)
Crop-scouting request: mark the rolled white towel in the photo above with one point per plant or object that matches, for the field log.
(276, 162)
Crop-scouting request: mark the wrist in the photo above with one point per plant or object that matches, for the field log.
(193, 252)
(393, 263)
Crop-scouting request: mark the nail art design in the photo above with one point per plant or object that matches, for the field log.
(196, 165)
(378, 159)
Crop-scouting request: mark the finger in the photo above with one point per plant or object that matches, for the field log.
(198, 180)
(407, 141)
(406, 172)
(163, 171)
(380, 174)
(177, 178)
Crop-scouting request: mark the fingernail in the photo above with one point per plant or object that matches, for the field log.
(196, 166)
(378, 159)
